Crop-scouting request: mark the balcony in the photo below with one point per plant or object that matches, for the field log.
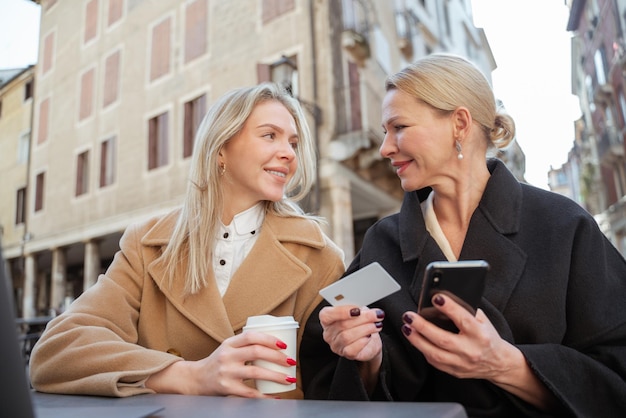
(356, 45)
(610, 146)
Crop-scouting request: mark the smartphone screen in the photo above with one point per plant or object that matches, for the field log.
(463, 281)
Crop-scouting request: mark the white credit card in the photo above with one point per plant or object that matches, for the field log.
(361, 288)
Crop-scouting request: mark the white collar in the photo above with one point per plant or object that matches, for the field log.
(245, 223)
(433, 227)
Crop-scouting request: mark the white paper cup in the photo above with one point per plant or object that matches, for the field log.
(285, 328)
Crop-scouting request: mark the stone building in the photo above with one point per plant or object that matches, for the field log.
(123, 84)
(596, 167)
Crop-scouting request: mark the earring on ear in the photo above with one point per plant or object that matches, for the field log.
(458, 150)
(222, 169)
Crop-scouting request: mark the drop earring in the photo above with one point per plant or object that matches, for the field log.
(222, 169)
(458, 150)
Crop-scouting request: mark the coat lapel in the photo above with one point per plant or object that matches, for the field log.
(205, 309)
(488, 237)
(268, 276)
(271, 273)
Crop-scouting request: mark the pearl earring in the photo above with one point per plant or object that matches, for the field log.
(222, 169)
(458, 150)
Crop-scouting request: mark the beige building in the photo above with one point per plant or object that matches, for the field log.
(16, 112)
(123, 84)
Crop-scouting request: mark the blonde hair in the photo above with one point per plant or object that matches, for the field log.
(445, 82)
(192, 240)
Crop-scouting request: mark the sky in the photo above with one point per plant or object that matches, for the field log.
(528, 39)
(531, 47)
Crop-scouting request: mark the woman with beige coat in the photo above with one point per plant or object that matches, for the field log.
(168, 313)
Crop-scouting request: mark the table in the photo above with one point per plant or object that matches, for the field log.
(181, 406)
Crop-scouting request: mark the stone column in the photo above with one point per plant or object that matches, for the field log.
(59, 278)
(92, 264)
(30, 276)
(337, 209)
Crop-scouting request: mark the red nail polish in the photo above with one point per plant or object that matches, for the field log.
(281, 345)
(439, 300)
(355, 312)
(291, 361)
(406, 330)
(291, 379)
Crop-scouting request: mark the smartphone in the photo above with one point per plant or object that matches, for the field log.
(362, 287)
(463, 281)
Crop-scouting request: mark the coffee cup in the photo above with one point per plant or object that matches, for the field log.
(284, 328)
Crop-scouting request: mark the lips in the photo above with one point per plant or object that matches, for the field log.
(400, 166)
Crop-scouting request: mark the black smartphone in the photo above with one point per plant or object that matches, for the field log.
(463, 281)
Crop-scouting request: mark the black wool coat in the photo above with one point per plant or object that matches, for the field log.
(556, 290)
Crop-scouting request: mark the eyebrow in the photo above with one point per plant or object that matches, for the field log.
(277, 128)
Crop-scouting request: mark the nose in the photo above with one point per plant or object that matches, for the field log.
(388, 147)
(287, 150)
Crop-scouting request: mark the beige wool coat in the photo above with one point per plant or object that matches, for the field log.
(119, 331)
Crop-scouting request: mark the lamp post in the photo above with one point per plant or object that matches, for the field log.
(285, 72)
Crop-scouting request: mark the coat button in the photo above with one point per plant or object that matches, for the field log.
(222, 262)
(225, 235)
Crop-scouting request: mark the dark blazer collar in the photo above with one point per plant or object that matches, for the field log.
(501, 205)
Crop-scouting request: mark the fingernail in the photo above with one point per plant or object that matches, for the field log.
(406, 330)
(355, 312)
(380, 314)
(291, 361)
(277, 397)
(281, 345)
(291, 379)
(379, 324)
(407, 318)
(439, 300)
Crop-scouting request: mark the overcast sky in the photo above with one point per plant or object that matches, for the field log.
(531, 46)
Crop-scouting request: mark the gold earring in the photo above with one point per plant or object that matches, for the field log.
(222, 169)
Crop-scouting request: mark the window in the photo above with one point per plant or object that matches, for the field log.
(86, 94)
(0, 108)
(160, 52)
(274, 8)
(111, 78)
(44, 108)
(48, 53)
(39, 185)
(195, 29)
(116, 8)
(107, 162)
(23, 146)
(82, 173)
(20, 206)
(28, 90)
(157, 141)
(355, 97)
(600, 61)
(194, 112)
(91, 20)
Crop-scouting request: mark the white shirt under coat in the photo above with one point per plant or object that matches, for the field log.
(234, 242)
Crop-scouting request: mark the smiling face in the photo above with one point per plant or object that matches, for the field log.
(261, 159)
(419, 140)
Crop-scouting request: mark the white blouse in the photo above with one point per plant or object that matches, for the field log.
(234, 242)
(433, 227)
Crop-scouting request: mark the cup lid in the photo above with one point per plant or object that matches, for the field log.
(270, 321)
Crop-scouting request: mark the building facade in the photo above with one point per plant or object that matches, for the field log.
(123, 84)
(596, 165)
(16, 114)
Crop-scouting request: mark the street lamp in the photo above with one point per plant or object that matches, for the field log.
(285, 73)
